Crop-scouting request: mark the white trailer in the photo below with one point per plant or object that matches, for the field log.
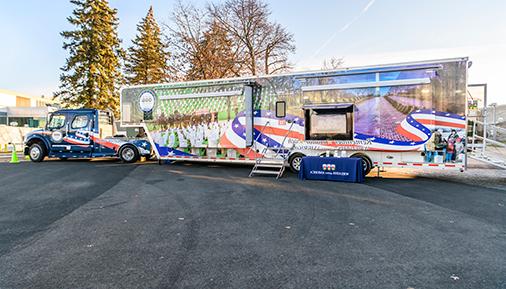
(396, 115)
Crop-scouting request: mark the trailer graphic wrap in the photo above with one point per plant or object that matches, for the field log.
(395, 114)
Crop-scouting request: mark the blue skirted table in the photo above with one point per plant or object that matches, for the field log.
(332, 169)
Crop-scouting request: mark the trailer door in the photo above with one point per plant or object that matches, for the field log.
(249, 94)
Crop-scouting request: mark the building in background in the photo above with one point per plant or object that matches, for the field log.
(18, 109)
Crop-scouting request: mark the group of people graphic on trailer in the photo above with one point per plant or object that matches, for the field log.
(190, 131)
(198, 139)
(197, 133)
(195, 136)
(439, 149)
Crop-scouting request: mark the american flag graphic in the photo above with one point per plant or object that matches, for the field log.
(268, 132)
(78, 139)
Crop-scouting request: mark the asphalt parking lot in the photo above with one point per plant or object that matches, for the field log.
(103, 224)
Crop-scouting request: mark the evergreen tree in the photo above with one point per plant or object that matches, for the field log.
(91, 75)
(147, 58)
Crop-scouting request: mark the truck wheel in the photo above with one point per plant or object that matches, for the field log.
(36, 153)
(366, 162)
(129, 154)
(295, 160)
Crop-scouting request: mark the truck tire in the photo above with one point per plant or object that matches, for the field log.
(366, 162)
(37, 152)
(129, 154)
(294, 161)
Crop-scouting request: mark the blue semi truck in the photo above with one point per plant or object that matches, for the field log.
(83, 133)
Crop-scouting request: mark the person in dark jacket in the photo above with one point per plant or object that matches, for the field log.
(450, 147)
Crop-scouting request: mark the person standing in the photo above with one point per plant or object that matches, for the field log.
(430, 147)
(440, 144)
(183, 143)
(459, 149)
(450, 147)
(172, 141)
(213, 135)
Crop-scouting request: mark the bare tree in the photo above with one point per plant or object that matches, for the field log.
(333, 63)
(277, 46)
(203, 49)
(185, 35)
(264, 46)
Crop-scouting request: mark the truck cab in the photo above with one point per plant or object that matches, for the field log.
(83, 133)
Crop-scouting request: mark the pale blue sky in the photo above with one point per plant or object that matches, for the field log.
(362, 31)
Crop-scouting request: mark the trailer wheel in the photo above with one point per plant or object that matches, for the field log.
(129, 154)
(151, 156)
(366, 162)
(295, 160)
(36, 152)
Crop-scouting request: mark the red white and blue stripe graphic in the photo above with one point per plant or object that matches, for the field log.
(268, 131)
(84, 139)
(416, 127)
(78, 139)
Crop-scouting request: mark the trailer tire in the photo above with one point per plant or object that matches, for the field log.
(37, 152)
(129, 154)
(366, 162)
(151, 156)
(294, 161)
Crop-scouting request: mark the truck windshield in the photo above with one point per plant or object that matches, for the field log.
(57, 121)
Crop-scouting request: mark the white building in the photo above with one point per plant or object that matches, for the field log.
(18, 109)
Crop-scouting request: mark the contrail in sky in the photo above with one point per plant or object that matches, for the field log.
(344, 28)
(368, 6)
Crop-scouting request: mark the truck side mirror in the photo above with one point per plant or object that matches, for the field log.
(48, 118)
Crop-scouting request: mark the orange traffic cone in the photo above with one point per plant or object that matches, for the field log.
(14, 157)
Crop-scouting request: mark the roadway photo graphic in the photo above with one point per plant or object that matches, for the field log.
(376, 116)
